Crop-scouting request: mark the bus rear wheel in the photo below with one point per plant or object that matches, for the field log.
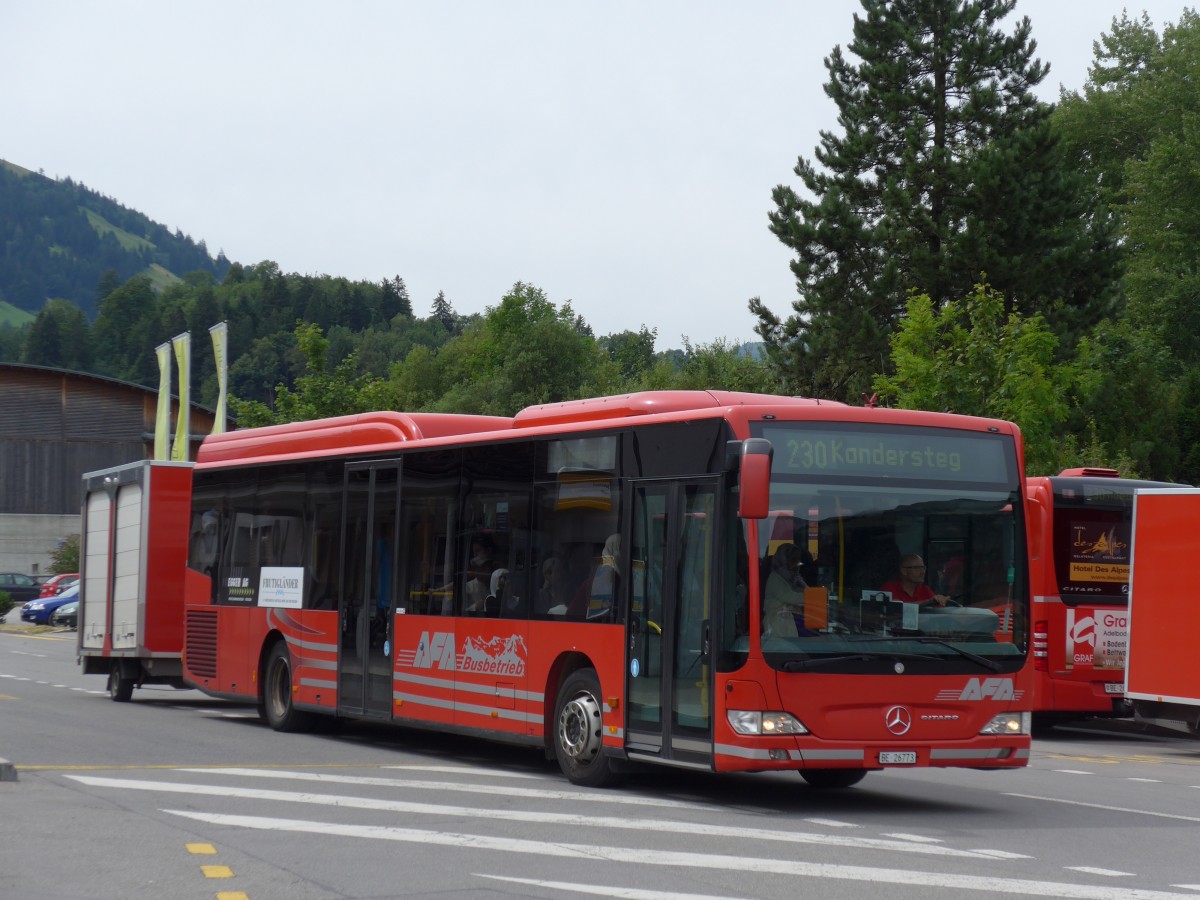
(578, 731)
(276, 705)
(833, 778)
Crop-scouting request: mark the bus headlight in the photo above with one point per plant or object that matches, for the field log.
(1009, 723)
(750, 721)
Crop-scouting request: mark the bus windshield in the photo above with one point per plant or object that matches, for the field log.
(892, 546)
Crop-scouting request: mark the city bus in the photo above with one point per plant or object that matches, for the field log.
(587, 577)
(1081, 521)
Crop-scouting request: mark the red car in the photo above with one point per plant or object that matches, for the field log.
(51, 587)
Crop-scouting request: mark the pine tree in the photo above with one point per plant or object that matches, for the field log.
(444, 313)
(948, 169)
(394, 300)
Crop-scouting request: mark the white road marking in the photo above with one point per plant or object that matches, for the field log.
(467, 770)
(1090, 870)
(917, 838)
(1139, 812)
(582, 820)
(1147, 780)
(501, 790)
(832, 823)
(1072, 772)
(604, 891)
(638, 856)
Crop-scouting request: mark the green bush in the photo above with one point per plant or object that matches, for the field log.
(5, 602)
(65, 558)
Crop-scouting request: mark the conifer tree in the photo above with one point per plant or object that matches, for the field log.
(444, 312)
(947, 168)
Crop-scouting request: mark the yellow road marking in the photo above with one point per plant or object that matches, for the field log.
(231, 895)
(217, 871)
(202, 849)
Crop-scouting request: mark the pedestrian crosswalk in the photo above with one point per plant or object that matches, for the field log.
(574, 841)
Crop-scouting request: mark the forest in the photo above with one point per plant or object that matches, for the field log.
(958, 246)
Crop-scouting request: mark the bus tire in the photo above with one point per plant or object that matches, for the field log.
(833, 778)
(120, 685)
(275, 705)
(578, 731)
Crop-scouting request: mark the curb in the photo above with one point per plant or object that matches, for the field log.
(8, 772)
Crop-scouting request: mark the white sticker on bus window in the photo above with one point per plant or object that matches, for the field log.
(281, 587)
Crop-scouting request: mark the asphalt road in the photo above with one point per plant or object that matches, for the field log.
(182, 796)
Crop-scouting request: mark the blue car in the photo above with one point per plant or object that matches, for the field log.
(38, 612)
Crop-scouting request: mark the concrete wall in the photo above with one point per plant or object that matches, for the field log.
(26, 541)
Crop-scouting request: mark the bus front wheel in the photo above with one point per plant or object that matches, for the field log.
(578, 731)
(276, 705)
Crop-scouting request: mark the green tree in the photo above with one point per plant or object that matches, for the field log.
(524, 351)
(632, 352)
(444, 313)
(971, 357)
(59, 337)
(321, 392)
(947, 166)
(65, 557)
(393, 300)
(126, 331)
(719, 366)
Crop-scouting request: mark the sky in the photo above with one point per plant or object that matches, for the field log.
(619, 156)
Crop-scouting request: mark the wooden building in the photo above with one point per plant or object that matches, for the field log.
(55, 425)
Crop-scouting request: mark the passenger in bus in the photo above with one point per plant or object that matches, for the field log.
(550, 593)
(203, 552)
(494, 602)
(479, 571)
(910, 586)
(783, 596)
(604, 582)
(594, 599)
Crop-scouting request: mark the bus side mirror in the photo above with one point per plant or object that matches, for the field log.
(754, 488)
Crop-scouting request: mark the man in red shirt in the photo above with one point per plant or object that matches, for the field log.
(910, 587)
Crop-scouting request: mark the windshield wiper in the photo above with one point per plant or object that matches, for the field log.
(989, 664)
(812, 662)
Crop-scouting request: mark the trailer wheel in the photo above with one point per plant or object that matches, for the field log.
(276, 705)
(833, 778)
(578, 734)
(120, 685)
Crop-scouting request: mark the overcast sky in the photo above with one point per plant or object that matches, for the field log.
(618, 155)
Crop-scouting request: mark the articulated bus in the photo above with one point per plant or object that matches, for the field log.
(1080, 521)
(587, 578)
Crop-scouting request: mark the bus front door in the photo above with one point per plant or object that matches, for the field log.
(669, 671)
(369, 547)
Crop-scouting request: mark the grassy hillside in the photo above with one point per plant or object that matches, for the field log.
(10, 315)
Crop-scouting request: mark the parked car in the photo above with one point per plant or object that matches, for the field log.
(19, 587)
(66, 616)
(37, 612)
(58, 583)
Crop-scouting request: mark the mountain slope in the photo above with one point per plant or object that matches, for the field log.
(58, 238)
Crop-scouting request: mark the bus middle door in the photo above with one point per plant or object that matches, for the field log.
(669, 672)
(369, 547)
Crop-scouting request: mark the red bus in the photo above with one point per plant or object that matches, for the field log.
(1080, 521)
(585, 577)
